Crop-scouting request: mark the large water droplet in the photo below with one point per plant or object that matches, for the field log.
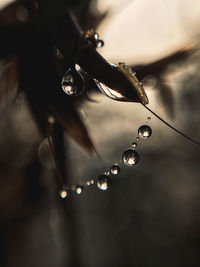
(130, 157)
(72, 82)
(115, 169)
(103, 182)
(79, 190)
(144, 131)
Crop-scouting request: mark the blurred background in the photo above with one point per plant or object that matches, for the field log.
(150, 215)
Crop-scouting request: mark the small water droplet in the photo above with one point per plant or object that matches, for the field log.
(63, 194)
(100, 43)
(150, 82)
(107, 173)
(88, 183)
(72, 83)
(137, 138)
(134, 144)
(144, 131)
(115, 169)
(96, 35)
(92, 181)
(79, 190)
(103, 182)
(130, 157)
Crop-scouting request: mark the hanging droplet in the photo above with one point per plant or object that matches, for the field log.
(72, 83)
(134, 144)
(144, 131)
(63, 194)
(79, 190)
(115, 169)
(103, 182)
(130, 157)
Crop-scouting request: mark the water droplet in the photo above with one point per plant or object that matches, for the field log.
(72, 83)
(130, 157)
(107, 173)
(96, 35)
(63, 194)
(79, 190)
(115, 169)
(44, 154)
(92, 181)
(144, 131)
(100, 43)
(88, 183)
(149, 82)
(134, 144)
(103, 182)
(137, 138)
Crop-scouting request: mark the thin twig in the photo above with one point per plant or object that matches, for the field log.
(173, 128)
(60, 178)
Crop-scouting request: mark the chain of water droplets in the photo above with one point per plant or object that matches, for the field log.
(130, 157)
(73, 85)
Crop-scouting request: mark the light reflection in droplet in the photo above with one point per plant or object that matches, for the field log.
(63, 194)
(79, 190)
